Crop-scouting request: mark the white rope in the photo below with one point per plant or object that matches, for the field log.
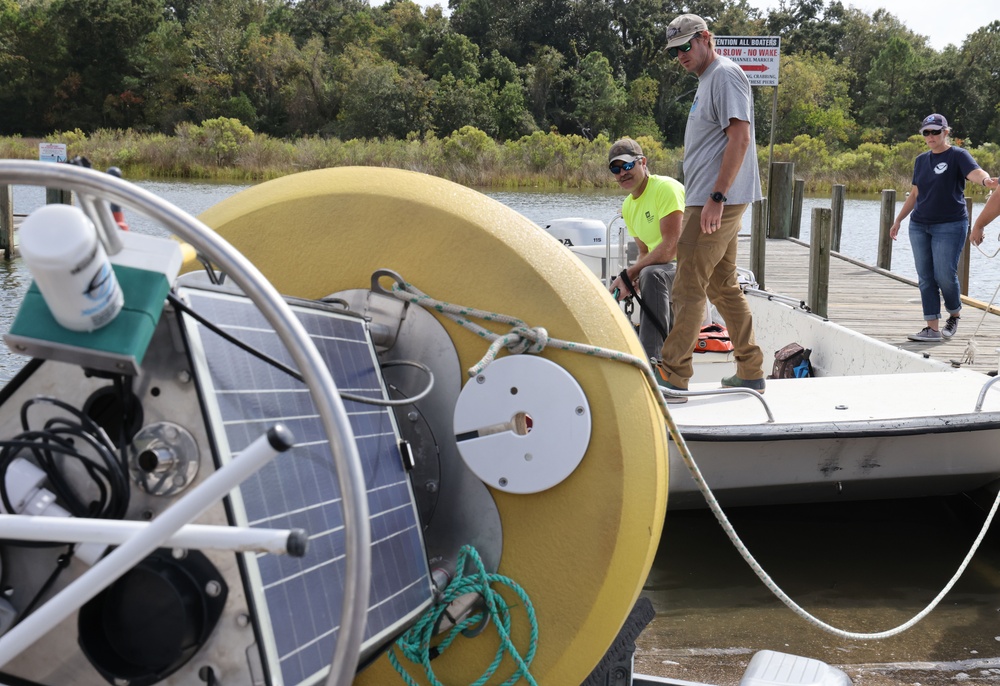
(523, 338)
(776, 590)
(969, 355)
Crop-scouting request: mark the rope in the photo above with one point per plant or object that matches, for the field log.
(515, 341)
(776, 590)
(520, 339)
(415, 644)
(969, 355)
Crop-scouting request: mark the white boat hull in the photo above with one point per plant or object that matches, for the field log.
(876, 422)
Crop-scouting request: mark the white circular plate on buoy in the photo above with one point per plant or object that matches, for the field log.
(523, 424)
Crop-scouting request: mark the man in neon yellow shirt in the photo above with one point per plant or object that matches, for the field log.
(652, 211)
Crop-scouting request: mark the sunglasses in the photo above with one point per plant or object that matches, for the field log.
(680, 48)
(617, 169)
(931, 132)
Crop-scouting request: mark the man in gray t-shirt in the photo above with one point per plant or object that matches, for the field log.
(720, 176)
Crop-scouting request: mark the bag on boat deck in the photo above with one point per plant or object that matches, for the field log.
(791, 362)
(713, 339)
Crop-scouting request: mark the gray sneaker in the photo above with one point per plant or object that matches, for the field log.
(950, 327)
(926, 335)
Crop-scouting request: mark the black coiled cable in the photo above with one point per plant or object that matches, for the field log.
(51, 446)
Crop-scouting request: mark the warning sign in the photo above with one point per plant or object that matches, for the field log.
(757, 55)
(52, 152)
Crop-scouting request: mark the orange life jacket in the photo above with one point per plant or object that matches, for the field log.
(713, 339)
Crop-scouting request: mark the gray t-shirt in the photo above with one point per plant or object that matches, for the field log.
(723, 94)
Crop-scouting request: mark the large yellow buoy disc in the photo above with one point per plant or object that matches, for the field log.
(581, 549)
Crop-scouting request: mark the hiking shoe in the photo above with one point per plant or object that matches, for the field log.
(926, 335)
(950, 327)
(736, 382)
(665, 385)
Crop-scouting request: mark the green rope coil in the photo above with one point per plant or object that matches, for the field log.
(470, 577)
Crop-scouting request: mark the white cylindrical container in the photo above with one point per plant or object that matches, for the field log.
(60, 248)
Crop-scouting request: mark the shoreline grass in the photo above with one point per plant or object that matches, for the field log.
(225, 150)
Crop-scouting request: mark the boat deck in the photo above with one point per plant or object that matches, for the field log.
(885, 400)
(876, 303)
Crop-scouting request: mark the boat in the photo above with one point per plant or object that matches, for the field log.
(870, 421)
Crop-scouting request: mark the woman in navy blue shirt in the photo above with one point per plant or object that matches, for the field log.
(939, 224)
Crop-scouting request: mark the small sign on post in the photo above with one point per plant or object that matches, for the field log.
(758, 56)
(51, 152)
(54, 152)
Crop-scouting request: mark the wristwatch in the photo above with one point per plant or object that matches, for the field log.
(718, 197)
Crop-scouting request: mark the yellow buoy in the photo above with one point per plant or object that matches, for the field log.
(581, 549)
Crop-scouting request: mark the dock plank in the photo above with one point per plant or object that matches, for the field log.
(877, 304)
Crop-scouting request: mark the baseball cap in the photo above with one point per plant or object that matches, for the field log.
(933, 121)
(624, 149)
(683, 27)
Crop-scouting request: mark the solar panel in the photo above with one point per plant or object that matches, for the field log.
(298, 600)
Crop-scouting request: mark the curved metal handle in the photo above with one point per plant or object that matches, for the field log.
(292, 334)
(721, 391)
(982, 393)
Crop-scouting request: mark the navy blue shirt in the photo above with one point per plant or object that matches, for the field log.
(940, 182)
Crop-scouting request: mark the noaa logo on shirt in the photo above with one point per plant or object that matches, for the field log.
(940, 167)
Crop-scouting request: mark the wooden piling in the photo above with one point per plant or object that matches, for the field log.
(779, 199)
(798, 193)
(58, 195)
(819, 260)
(838, 195)
(7, 221)
(886, 217)
(758, 239)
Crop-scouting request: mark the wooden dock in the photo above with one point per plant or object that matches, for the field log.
(878, 303)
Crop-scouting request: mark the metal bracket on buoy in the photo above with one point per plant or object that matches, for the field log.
(523, 424)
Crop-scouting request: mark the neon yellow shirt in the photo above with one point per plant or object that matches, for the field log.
(662, 195)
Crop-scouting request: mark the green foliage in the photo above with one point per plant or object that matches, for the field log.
(599, 98)
(240, 108)
(809, 154)
(512, 116)
(890, 104)
(468, 145)
(222, 137)
(510, 68)
(813, 99)
(458, 103)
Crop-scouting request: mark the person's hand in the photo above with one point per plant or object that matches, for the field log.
(976, 237)
(894, 230)
(711, 217)
(992, 182)
(619, 289)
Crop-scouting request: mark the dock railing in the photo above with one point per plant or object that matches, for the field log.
(779, 215)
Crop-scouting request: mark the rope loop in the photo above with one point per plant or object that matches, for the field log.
(470, 577)
(520, 339)
(526, 339)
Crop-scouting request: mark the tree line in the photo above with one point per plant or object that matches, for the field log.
(509, 68)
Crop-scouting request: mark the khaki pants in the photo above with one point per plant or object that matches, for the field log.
(706, 265)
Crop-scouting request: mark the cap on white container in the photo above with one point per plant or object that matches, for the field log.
(70, 266)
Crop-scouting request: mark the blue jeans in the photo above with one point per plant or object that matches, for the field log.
(937, 249)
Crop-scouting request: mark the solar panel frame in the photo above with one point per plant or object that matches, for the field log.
(296, 649)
